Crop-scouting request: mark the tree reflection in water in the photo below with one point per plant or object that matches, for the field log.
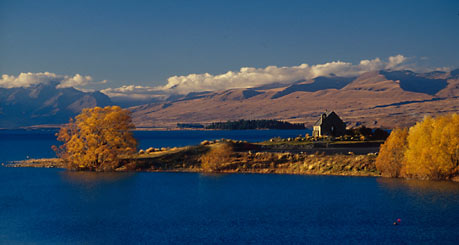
(91, 179)
(419, 186)
(422, 192)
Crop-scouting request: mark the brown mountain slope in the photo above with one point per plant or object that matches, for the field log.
(372, 81)
(452, 90)
(371, 99)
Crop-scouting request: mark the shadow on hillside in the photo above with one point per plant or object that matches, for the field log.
(319, 83)
(409, 81)
(408, 102)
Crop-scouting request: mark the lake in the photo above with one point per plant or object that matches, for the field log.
(53, 206)
(20, 144)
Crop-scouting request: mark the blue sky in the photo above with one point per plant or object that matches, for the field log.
(146, 42)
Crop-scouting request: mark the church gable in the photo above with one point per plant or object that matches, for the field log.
(329, 124)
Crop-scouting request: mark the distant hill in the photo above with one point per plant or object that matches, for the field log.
(44, 104)
(318, 83)
(410, 81)
(379, 98)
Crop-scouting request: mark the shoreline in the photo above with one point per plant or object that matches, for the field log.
(241, 162)
(140, 128)
(24, 164)
(238, 157)
(34, 163)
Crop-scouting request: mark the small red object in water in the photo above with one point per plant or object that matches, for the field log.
(399, 220)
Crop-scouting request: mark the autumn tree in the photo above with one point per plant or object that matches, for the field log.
(429, 150)
(433, 148)
(96, 139)
(391, 154)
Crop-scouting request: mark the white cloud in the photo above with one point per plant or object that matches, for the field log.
(28, 79)
(395, 61)
(135, 92)
(248, 77)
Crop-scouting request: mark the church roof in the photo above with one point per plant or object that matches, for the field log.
(327, 114)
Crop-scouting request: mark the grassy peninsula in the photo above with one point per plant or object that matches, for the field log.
(281, 156)
(100, 139)
(428, 150)
(227, 156)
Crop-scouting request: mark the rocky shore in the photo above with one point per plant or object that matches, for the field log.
(226, 156)
(37, 163)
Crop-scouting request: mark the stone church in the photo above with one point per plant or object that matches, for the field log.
(329, 124)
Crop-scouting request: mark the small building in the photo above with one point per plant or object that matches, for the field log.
(329, 124)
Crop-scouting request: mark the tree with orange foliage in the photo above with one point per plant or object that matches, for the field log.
(96, 139)
(391, 155)
(433, 148)
(429, 150)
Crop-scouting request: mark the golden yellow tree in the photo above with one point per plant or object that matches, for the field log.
(433, 148)
(391, 155)
(97, 138)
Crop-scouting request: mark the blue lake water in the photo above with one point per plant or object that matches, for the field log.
(20, 144)
(52, 206)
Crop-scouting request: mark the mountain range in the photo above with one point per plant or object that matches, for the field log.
(376, 99)
(44, 104)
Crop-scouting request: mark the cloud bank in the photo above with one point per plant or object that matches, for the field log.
(136, 92)
(246, 77)
(29, 79)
